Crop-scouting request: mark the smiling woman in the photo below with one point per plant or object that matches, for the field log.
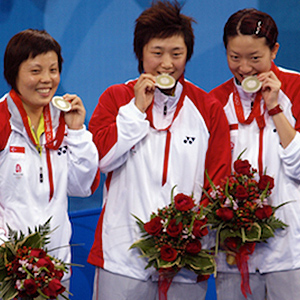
(36, 176)
(37, 81)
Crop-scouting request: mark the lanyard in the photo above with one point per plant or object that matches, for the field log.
(255, 113)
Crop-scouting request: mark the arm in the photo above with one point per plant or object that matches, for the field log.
(270, 90)
(117, 126)
(5, 128)
(83, 175)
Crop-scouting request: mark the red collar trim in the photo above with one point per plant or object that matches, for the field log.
(50, 142)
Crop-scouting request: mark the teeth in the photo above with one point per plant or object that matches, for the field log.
(44, 90)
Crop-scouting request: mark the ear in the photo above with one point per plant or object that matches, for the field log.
(274, 51)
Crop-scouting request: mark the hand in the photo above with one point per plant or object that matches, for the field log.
(270, 88)
(144, 91)
(76, 116)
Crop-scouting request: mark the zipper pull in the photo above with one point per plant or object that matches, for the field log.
(165, 109)
(41, 174)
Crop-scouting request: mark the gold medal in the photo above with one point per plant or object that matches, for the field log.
(251, 84)
(165, 81)
(60, 103)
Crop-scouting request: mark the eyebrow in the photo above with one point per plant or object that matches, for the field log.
(235, 52)
(158, 47)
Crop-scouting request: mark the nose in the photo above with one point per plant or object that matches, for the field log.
(245, 67)
(167, 62)
(45, 76)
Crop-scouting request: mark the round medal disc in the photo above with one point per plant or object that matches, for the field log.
(251, 84)
(165, 81)
(61, 103)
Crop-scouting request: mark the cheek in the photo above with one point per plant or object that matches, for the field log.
(56, 79)
(26, 84)
(149, 64)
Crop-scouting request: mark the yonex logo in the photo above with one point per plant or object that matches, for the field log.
(62, 150)
(189, 140)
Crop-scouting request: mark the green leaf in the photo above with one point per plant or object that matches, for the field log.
(277, 224)
(210, 181)
(168, 264)
(8, 291)
(140, 223)
(267, 232)
(145, 245)
(172, 194)
(251, 235)
(239, 157)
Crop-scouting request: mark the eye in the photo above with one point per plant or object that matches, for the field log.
(234, 57)
(35, 71)
(255, 58)
(156, 53)
(53, 70)
(177, 54)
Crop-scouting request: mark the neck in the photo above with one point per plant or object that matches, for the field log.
(34, 114)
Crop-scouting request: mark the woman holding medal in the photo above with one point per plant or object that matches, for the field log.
(153, 133)
(262, 105)
(46, 154)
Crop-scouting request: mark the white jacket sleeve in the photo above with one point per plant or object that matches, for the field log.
(132, 128)
(290, 157)
(82, 162)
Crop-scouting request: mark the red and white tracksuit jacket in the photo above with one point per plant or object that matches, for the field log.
(144, 156)
(264, 152)
(35, 187)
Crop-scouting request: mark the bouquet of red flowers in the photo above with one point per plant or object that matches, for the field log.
(27, 271)
(239, 210)
(171, 240)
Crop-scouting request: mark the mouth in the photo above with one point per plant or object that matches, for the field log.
(247, 75)
(168, 73)
(44, 91)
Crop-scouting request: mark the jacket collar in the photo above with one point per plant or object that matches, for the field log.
(19, 118)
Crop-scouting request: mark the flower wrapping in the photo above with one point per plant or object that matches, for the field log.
(240, 211)
(27, 270)
(171, 240)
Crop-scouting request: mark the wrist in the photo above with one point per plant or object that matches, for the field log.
(275, 110)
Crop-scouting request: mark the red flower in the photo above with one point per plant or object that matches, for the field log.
(263, 182)
(183, 202)
(30, 286)
(241, 193)
(225, 213)
(59, 274)
(231, 243)
(193, 247)
(173, 229)
(168, 253)
(204, 202)
(39, 253)
(198, 231)
(54, 288)
(154, 226)
(242, 167)
(45, 262)
(264, 212)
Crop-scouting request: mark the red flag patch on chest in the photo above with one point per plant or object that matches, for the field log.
(16, 149)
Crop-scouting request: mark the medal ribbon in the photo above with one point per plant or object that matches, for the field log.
(255, 113)
(51, 143)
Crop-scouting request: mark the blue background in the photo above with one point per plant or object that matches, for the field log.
(96, 38)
